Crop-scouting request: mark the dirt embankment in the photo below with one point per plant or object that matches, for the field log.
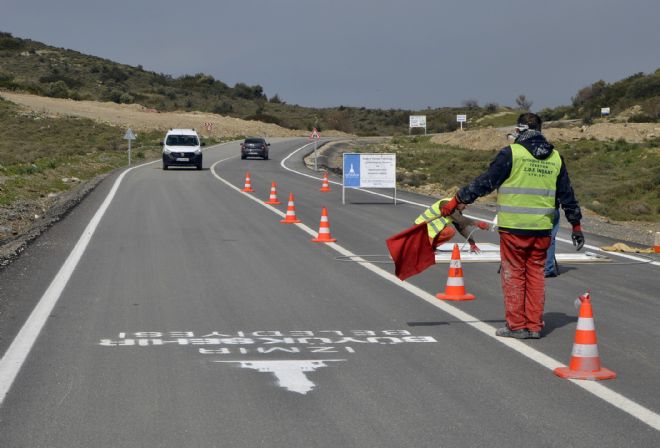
(496, 138)
(138, 117)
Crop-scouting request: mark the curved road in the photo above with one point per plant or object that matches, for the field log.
(194, 318)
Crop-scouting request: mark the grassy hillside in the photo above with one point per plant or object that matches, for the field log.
(37, 153)
(618, 180)
(31, 66)
(639, 91)
(34, 67)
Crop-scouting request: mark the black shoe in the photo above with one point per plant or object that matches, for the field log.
(550, 274)
(506, 332)
(534, 334)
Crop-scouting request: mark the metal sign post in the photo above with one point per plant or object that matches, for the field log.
(315, 136)
(129, 136)
(461, 119)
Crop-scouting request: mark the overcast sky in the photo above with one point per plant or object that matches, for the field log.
(373, 53)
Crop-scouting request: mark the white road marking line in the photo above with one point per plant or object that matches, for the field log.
(18, 351)
(558, 238)
(615, 399)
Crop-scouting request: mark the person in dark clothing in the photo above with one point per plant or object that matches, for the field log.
(551, 267)
(531, 179)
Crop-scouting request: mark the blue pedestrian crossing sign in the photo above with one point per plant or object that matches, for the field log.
(352, 170)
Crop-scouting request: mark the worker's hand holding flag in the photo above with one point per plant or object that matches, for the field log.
(411, 251)
(482, 225)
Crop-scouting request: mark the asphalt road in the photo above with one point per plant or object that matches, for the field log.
(194, 318)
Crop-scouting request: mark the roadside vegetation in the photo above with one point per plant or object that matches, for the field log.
(618, 180)
(33, 67)
(42, 156)
(636, 97)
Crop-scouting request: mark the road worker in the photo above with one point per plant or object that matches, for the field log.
(441, 228)
(531, 179)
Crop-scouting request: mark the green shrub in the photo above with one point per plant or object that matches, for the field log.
(554, 114)
(126, 98)
(7, 82)
(57, 89)
(642, 118)
(55, 77)
(491, 108)
(266, 118)
(8, 42)
(222, 108)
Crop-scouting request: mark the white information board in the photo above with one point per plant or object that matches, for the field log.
(418, 121)
(604, 111)
(461, 119)
(369, 170)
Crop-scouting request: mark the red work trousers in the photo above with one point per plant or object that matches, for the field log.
(441, 238)
(523, 280)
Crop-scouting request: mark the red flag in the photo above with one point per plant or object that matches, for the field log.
(411, 251)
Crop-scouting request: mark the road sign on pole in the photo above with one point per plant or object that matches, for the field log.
(461, 119)
(129, 136)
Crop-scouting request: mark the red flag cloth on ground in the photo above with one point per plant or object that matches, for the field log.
(411, 251)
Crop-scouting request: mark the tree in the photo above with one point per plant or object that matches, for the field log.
(276, 99)
(492, 107)
(523, 103)
(471, 104)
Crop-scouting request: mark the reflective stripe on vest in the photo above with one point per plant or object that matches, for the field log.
(434, 227)
(526, 200)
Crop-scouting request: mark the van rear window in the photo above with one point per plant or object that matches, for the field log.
(182, 140)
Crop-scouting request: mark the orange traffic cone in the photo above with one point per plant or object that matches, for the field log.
(585, 362)
(324, 229)
(290, 217)
(273, 195)
(455, 289)
(248, 184)
(326, 184)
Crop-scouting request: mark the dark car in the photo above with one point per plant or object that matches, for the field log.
(254, 147)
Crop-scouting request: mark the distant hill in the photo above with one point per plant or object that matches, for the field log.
(637, 97)
(34, 67)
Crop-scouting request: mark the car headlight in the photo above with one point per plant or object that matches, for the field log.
(167, 151)
(198, 151)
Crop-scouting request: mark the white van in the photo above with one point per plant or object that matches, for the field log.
(182, 147)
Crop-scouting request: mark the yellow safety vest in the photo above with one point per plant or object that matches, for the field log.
(434, 227)
(526, 200)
